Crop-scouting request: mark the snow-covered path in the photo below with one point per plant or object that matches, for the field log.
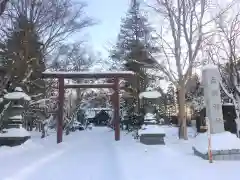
(88, 159)
(86, 155)
(94, 155)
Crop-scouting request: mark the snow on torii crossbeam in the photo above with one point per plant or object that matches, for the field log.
(87, 74)
(61, 75)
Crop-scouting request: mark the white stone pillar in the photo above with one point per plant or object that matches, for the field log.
(212, 98)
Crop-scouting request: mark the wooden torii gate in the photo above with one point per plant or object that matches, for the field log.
(61, 75)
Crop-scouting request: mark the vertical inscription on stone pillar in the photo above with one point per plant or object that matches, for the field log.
(212, 98)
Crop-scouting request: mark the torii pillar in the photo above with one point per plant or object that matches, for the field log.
(116, 104)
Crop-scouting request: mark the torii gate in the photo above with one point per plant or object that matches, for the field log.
(61, 75)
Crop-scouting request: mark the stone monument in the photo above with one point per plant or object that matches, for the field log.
(212, 98)
(224, 145)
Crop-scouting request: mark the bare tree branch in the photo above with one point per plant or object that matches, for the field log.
(184, 23)
(54, 20)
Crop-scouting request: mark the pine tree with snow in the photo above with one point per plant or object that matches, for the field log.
(134, 46)
(24, 56)
(171, 100)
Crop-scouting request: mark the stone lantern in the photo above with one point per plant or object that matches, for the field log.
(151, 133)
(150, 96)
(13, 132)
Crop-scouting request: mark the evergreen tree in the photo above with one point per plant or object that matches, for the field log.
(25, 62)
(171, 99)
(135, 43)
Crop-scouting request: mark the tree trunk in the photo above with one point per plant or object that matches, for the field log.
(237, 110)
(138, 88)
(182, 114)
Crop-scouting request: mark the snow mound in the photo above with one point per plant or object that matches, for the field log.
(151, 129)
(149, 116)
(17, 96)
(15, 132)
(17, 106)
(150, 94)
(77, 124)
(16, 117)
(220, 141)
(18, 89)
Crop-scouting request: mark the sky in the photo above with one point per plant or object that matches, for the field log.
(102, 37)
(108, 13)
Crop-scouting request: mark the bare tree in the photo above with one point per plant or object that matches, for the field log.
(81, 60)
(72, 57)
(187, 23)
(54, 20)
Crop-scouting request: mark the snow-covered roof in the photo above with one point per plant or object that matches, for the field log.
(16, 117)
(17, 106)
(227, 104)
(122, 82)
(18, 89)
(149, 116)
(99, 109)
(17, 96)
(150, 94)
(149, 89)
(90, 114)
(88, 72)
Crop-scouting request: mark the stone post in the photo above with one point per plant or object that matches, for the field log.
(212, 98)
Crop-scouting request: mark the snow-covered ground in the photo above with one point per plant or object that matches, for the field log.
(94, 155)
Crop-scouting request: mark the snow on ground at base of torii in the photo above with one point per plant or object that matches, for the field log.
(94, 155)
